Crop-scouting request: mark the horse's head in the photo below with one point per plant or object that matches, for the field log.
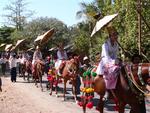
(141, 72)
(72, 67)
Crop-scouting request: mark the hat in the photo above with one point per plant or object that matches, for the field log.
(111, 29)
(85, 58)
(37, 47)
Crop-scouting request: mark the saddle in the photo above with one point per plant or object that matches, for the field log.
(62, 65)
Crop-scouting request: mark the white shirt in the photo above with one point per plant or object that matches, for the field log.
(13, 62)
(3, 60)
(108, 55)
(109, 51)
(37, 55)
(62, 55)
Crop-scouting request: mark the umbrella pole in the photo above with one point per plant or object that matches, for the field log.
(125, 51)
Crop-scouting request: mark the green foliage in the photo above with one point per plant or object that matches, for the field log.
(5, 34)
(82, 44)
(126, 22)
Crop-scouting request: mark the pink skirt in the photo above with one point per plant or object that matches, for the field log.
(111, 73)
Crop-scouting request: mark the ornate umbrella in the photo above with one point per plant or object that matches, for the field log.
(42, 39)
(19, 42)
(30, 49)
(8, 47)
(103, 22)
(12, 48)
(53, 49)
(2, 45)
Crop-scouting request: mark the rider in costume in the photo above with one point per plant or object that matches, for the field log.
(37, 56)
(61, 57)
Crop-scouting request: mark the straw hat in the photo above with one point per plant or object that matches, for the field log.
(37, 47)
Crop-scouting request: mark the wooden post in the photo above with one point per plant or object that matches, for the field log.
(139, 26)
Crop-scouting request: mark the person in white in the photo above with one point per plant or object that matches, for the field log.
(37, 57)
(109, 58)
(61, 56)
(3, 61)
(13, 64)
(109, 51)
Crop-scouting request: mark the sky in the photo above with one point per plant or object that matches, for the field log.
(63, 10)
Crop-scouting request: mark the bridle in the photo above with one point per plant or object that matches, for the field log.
(132, 79)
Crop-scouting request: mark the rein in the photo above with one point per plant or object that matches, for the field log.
(132, 79)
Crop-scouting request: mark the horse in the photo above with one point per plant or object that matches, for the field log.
(38, 72)
(23, 69)
(0, 84)
(137, 80)
(70, 72)
(28, 68)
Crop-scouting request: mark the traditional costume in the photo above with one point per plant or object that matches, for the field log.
(107, 65)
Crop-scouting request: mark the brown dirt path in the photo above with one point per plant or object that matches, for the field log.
(22, 97)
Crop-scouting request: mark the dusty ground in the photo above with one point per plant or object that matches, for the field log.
(23, 97)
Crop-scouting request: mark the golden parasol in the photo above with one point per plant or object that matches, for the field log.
(12, 48)
(19, 42)
(102, 22)
(30, 49)
(2, 45)
(8, 47)
(42, 39)
(53, 49)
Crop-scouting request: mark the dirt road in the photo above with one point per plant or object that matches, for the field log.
(23, 97)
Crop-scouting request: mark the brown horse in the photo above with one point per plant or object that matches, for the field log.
(137, 79)
(23, 69)
(0, 84)
(70, 72)
(28, 68)
(37, 74)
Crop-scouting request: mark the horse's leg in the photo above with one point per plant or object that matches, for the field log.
(121, 106)
(23, 74)
(28, 76)
(65, 81)
(138, 108)
(51, 86)
(56, 86)
(74, 91)
(40, 80)
(100, 106)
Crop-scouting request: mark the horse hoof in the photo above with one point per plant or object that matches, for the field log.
(76, 102)
(63, 99)
(98, 109)
(50, 93)
(56, 95)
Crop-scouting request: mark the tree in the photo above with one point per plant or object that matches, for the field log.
(17, 14)
(126, 22)
(39, 26)
(5, 34)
